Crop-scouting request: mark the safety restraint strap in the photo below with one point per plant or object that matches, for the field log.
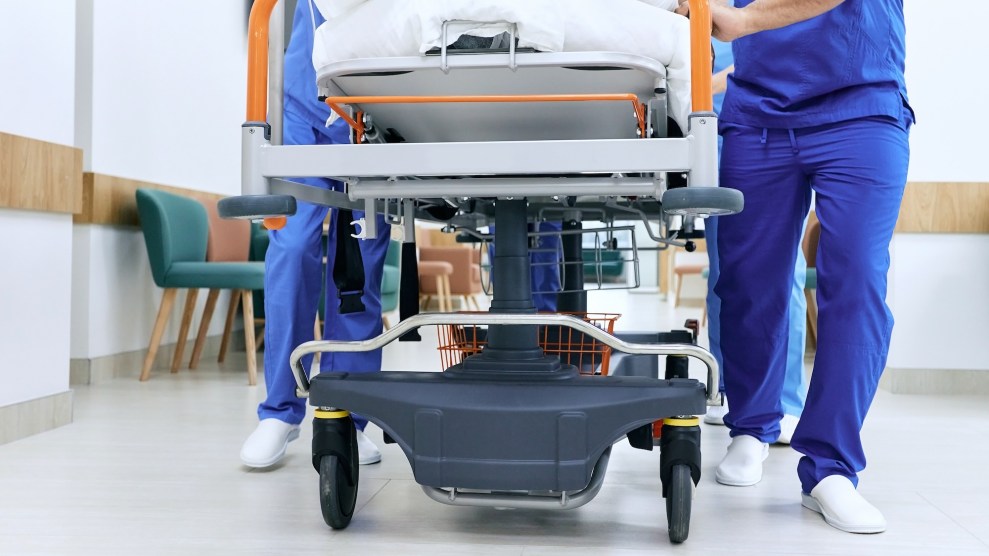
(408, 296)
(348, 266)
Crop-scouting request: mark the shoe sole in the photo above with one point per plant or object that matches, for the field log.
(369, 461)
(292, 435)
(811, 504)
(732, 483)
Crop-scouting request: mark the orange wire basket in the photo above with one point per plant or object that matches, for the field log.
(589, 355)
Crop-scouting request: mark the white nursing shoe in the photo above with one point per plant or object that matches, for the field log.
(788, 424)
(716, 414)
(367, 451)
(266, 445)
(742, 465)
(843, 507)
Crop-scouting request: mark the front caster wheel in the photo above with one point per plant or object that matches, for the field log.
(337, 492)
(678, 501)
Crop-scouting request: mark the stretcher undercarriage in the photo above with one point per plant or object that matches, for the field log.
(508, 137)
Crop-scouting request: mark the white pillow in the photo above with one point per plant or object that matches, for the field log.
(334, 8)
(662, 4)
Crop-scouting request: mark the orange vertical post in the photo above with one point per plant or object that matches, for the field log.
(257, 60)
(700, 56)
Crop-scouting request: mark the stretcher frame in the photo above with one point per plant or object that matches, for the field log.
(383, 174)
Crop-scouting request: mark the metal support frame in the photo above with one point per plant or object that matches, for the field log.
(349, 162)
(530, 500)
(480, 319)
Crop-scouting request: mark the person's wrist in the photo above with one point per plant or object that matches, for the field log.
(748, 21)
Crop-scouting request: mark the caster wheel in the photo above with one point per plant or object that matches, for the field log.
(678, 502)
(697, 201)
(337, 495)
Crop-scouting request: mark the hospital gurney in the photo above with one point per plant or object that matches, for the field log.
(509, 426)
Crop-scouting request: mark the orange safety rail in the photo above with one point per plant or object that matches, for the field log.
(574, 348)
(335, 102)
(700, 56)
(257, 60)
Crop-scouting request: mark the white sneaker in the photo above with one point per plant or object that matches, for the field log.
(788, 424)
(742, 465)
(266, 445)
(367, 452)
(843, 507)
(716, 414)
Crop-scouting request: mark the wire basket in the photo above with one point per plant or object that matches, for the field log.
(590, 356)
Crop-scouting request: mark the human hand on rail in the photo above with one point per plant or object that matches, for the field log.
(727, 23)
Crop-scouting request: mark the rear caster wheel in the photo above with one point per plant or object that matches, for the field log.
(337, 492)
(678, 501)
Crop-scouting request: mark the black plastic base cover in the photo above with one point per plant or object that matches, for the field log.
(256, 207)
(506, 433)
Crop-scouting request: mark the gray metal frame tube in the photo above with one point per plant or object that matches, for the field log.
(466, 159)
(503, 187)
(473, 319)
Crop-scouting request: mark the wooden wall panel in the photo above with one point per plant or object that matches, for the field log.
(110, 200)
(932, 207)
(40, 176)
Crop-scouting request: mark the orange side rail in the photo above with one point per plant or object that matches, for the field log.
(335, 102)
(257, 60)
(700, 56)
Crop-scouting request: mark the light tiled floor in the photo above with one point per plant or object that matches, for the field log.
(152, 468)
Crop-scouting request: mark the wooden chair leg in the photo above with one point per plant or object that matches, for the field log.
(197, 349)
(676, 299)
(247, 302)
(447, 294)
(811, 296)
(190, 308)
(164, 310)
(228, 325)
(384, 321)
(424, 302)
(259, 339)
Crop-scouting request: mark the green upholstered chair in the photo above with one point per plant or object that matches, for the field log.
(176, 231)
(390, 280)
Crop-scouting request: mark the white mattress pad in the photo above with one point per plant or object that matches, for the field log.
(357, 29)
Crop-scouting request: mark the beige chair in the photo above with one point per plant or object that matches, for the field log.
(463, 282)
(229, 241)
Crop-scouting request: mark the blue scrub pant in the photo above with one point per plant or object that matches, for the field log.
(858, 171)
(545, 276)
(794, 382)
(294, 275)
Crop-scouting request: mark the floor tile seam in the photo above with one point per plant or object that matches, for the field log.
(953, 520)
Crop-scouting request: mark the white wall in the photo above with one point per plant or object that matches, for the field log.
(169, 91)
(37, 65)
(947, 88)
(166, 97)
(34, 328)
(939, 292)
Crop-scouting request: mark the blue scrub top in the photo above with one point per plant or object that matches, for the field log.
(845, 64)
(301, 95)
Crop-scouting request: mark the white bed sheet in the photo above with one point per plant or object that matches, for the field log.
(386, 28)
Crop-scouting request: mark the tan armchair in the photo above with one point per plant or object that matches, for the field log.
(464, 281)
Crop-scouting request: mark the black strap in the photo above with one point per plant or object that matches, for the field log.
(348, 266)
(408, 296)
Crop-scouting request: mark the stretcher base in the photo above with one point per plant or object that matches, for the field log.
(506, 433)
